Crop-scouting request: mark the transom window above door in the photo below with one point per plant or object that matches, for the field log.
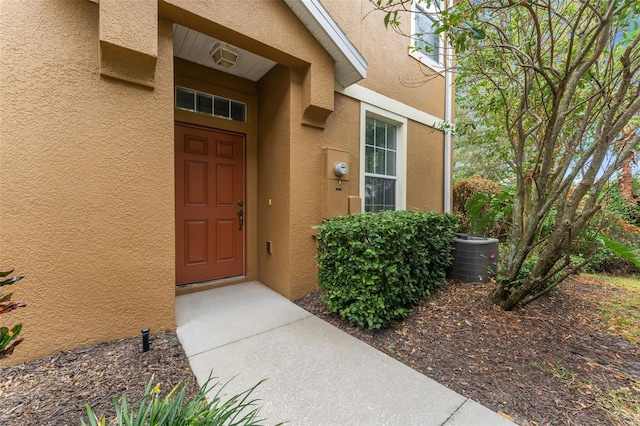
(206, 103)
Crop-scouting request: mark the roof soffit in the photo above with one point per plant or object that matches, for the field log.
(350, 65)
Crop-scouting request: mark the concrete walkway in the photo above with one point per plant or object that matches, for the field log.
(316, 374)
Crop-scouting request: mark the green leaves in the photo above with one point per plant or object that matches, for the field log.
(205, 408)
(477, 33)
(9, 340)
(11, 280)
(9, 337)
(376, 267)
(485, 209)
(391, 18)
(620, 249)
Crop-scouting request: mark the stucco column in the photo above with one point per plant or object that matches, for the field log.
(317, 98)
(129, 40)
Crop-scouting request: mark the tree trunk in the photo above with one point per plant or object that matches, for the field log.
(557, 245)
(625, 177)
(625, 180)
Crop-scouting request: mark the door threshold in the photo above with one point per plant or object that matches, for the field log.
(209, 285)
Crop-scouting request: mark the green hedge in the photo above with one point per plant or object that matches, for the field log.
(376, 267)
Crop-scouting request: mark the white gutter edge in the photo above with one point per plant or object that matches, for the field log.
(335, 33)
(448, 104)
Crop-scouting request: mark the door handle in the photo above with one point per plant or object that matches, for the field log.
(241, 219)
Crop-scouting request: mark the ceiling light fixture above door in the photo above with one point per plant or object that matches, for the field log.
(224, 55)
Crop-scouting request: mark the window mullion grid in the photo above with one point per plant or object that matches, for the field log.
(379, 176)
(385, 148)
(213, 98)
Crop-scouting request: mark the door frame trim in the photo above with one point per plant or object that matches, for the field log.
(216, 282)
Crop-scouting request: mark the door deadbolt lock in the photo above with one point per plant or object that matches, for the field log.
(340, 168)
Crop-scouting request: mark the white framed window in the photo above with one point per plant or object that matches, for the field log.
(383, 159)
(426, 46)
(206, 103)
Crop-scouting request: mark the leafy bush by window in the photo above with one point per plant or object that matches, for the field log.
(376, 267)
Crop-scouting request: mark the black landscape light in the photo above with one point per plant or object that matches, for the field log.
(145, 339)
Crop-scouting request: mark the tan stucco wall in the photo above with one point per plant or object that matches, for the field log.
(130, 25)
(87, 188)
(290, 174)
(291, 167)
(305, 167)
(425, 168)
(394, 73)
(341, 132)
(274, 128)
(129, 40)
(391, 70)
(425, 178)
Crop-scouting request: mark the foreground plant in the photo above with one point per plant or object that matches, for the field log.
(9, 337)
(176, 409)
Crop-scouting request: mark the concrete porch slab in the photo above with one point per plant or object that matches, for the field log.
(315, 373)
(213, 318)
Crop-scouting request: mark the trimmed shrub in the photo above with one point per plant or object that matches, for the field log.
(376, 267)
(466, 189)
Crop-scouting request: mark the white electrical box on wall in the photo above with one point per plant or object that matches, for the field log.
(335, 188)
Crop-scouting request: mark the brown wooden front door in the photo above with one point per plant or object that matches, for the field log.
(209, 204)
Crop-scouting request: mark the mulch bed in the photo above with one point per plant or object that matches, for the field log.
(54, 390)
(552, 363)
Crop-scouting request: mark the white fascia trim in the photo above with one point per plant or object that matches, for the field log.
(391, 105)
(346, 54)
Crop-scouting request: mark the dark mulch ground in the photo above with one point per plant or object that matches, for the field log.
(54, 390)
(552, 363)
